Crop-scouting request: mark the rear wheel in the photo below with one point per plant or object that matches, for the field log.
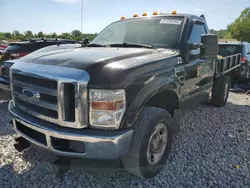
(220, 91)
(151, 143)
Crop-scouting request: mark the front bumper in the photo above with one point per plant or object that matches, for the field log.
(4, 83)
(98, 144)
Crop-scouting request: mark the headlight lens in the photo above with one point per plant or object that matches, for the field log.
(106, 108)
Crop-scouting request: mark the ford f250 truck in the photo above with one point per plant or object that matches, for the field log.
(120, 96)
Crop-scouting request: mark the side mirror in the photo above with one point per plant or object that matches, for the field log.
(209, 47)
(85, 41)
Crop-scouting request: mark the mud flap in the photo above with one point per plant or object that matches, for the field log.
(175, 124)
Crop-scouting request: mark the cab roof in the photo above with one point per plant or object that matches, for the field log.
(191, 16)
(163, 14)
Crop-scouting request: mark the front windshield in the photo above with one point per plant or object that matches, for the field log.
(161, 32)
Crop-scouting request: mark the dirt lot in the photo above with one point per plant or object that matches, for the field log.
(212, 150)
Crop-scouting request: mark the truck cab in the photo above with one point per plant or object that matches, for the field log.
(120, 96)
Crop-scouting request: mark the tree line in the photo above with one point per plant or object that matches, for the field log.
(239, 29)
(17, 36)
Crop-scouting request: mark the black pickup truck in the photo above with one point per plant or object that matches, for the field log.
(120, 96)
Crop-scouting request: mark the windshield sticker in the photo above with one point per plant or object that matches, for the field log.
(167, 21)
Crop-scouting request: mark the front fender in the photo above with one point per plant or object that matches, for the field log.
(151, 87)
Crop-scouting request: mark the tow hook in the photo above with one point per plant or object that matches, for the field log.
(21, 144)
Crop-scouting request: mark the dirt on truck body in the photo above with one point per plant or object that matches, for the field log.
(120, 96)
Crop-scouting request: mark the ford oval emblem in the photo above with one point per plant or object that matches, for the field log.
(30, 94)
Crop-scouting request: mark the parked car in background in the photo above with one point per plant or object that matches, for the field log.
(16, 50)
(228, 48)
(3, 46)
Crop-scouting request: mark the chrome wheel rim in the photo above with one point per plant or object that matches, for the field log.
(157, 144)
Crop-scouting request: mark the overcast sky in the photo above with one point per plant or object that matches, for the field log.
(65, 15)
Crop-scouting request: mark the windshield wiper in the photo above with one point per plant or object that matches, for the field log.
(125, 44)
(128, 44)
(96, 45)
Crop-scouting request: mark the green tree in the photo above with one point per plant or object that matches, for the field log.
(240, 28)
(222, 33)
(16, 33)
(54, 35)
(2, 36)
(40, 34)
(65, 36)
(7, 35)
(29, 34)
(91, 36)
(77, 35)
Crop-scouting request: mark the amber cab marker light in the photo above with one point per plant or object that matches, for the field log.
(174, 12)
(144, 14)
(155, 13)
(135, 15)
(122, 18)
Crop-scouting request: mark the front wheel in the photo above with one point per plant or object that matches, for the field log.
(151, 143)
(220, 91)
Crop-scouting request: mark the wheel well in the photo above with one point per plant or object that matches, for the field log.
(167, 100)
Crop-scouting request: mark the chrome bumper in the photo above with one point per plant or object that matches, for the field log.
(4, 83)
(98, 144)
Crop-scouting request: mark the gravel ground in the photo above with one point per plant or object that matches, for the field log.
(212, 150)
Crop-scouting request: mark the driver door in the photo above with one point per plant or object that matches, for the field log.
(199, 73)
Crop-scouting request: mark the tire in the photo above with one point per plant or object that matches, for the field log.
(220, 91)
(5, 95)
(135, 161)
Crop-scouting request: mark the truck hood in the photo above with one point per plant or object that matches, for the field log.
(82, 58)
(107, 67)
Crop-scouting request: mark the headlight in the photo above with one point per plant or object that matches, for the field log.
(106, 108)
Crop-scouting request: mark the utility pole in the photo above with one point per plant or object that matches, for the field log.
(81, 13)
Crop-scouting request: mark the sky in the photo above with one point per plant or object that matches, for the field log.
(65, 15)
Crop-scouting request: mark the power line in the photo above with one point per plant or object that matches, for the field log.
(81, 14)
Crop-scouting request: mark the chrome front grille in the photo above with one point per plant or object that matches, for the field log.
(54, 94)
(45, 106)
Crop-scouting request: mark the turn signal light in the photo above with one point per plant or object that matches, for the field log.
(122, 18)
(144, 14)
(155, 13)
(107, 105)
